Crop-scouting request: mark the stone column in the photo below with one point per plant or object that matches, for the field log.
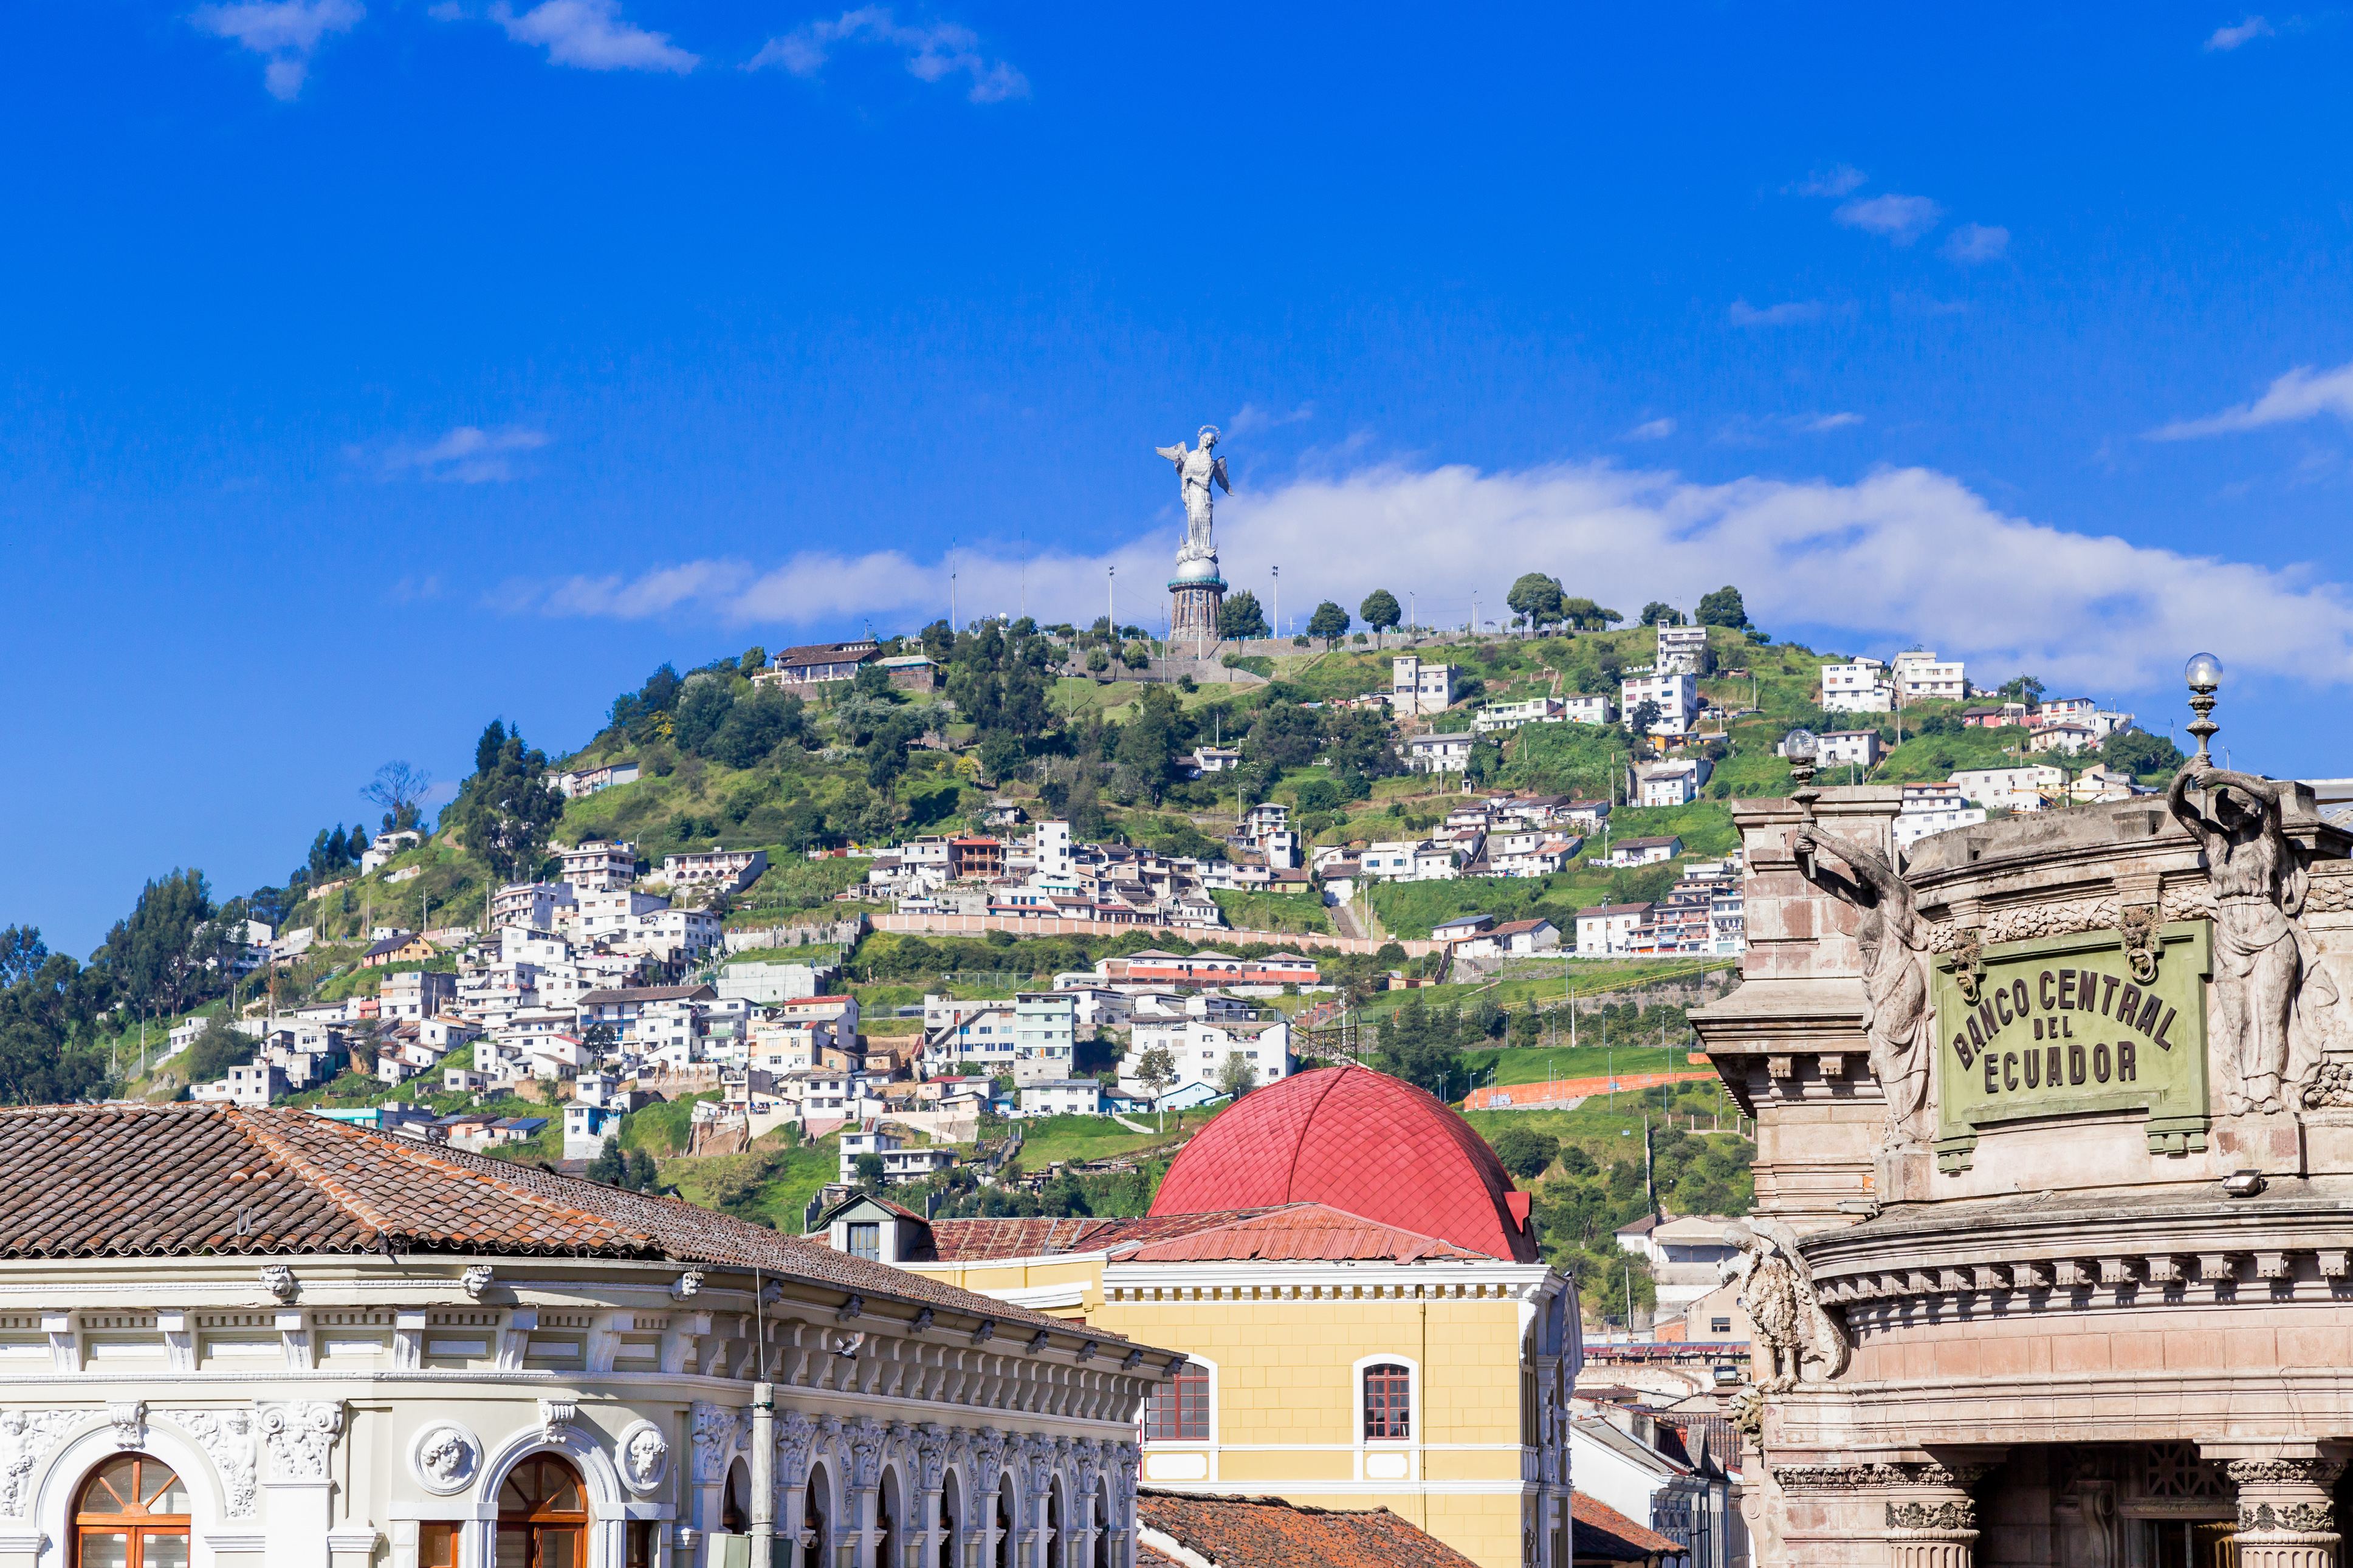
(1933, 1534)
(2286, 1517)
(1824, 1513)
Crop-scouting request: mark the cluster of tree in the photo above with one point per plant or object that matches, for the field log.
(633, 1168)
(331, 852)
(506, 811)
(1285, 734)
(1579, 1208)
(722, 716)
(1540, 601)
(48, 1005)
(1424, 1044)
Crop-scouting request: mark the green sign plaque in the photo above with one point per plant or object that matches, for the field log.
(2064, 1025)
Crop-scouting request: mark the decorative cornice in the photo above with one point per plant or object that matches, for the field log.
(1878, 1475)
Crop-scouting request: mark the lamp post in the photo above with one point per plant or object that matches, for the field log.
(2204, 673)
(1801, 747)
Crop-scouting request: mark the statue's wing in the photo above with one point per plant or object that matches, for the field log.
(1780, 1235)
(1174, 454)
(1218, 472)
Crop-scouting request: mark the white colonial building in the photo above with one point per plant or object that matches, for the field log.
(260, 1339)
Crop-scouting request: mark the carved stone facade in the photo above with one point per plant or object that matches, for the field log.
(2103, 1321)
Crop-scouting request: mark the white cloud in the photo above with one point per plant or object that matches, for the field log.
(1975, 242)
(283, 32)
(592, 35)
(933, 53)
(1903, 554)
(1251, 417)
(2228, 39)
(1744, 314)
(1822, 422)
(1652, 430)
(468, 455)
(1835, 181)
(1900, 218)
(2299, 394)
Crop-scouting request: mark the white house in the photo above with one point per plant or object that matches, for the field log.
(1512, 939)
(1644, 851)
(1858, 685)
(1416, 687)
(1198, 1048)
(1063, 1097)
(1921, 676)
(1675, 782)
(1404, 860)
(1933, 808)
(1677, 696)
(1603, 929)
(1498, 716)
(1839, 748)
(1439, 753)
(599, 865)
(2024, 788)
(1681, 649)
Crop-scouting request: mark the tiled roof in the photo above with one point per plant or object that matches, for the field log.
(1604, 1533)
(982, 1240)
(1268, 1532)
(113, 1181)
(1301, 1232)
(647, 994)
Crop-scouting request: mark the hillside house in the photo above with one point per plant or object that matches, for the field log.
(815, 664)
(1676, 696)
(574, 783)
(1448, 753)
(402, 947)
(1921, 676)
(1604, 930)
(724, 870)
(1933, 808)
(1858, 685)
(1643, 851)
(1417, 688)
(1512, 939)
(599, 865)
(911, 672)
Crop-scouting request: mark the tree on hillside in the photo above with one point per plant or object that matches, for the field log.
(1156, 1070)
(1330, 622)
(1537, 599)
(2138, 752)
(1149, 743)
(152, 954)
(1000, 757)
(703, 703)
(754, 660)
(756, 726)
(1380, 611)
(1723, 608)
(1644, 716)
(1656, 611)
(1236, 1077)
(47, 1001)
(1588, 617)
(506, 811)
(1240, 616)
(1526, 1152)
(399, 789)
(2021, 689)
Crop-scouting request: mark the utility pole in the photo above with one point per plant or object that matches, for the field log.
(1110, 616)
(1278, 604)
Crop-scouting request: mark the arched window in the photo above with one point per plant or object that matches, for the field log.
(816, 1543)
(1388, 1401)
(1100, 1509)
(951, 1504)
(1005, 1523)
(133, 1513)
(735, 1503)
(886, 1521)
(543, 1515)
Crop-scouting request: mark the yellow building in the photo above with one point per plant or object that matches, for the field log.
(1359, 1290)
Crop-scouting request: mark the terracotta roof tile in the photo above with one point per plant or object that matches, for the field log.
(1268, 1532)
(1302, 1232)
(978, 1240)
(1604, 1533)
(111, 1180)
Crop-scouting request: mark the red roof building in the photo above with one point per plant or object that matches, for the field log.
(1361, 1141)
(1269, 1532)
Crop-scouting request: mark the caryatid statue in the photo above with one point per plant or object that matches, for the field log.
(1196, 470)
(2273, 994)
(1894, 941)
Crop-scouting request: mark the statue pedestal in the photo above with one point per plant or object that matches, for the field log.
(2272, 1143)
(1905, 1174)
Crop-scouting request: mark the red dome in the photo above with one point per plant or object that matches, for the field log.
(1358, 1140)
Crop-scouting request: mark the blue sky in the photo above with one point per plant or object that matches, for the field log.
(375, 368)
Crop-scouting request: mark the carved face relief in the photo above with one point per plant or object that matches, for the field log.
(446, 1459)
(645, 1456)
